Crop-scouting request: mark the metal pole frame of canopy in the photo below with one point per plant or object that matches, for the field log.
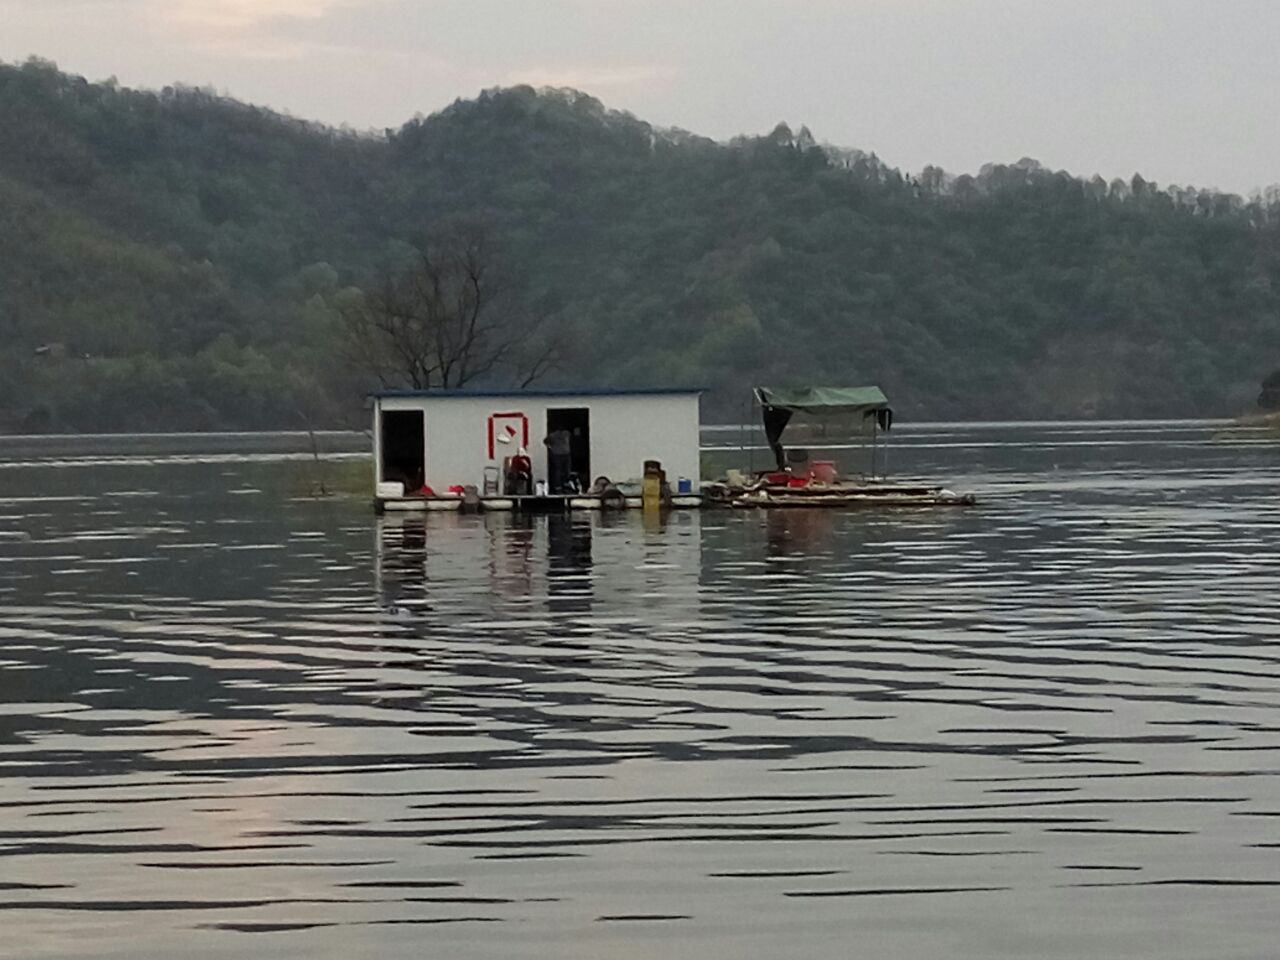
(778, 405)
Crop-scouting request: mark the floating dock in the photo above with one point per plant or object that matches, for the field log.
(537, 503)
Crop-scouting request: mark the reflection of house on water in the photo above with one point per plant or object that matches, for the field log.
(525, 565)
(569, 586)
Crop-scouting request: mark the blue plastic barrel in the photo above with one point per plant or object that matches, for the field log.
(684, 485)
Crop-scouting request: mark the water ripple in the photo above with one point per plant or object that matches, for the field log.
(1043, 727)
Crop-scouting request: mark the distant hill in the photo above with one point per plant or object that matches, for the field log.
(175, 260)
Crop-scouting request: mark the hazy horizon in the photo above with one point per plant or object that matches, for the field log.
(1159, 87)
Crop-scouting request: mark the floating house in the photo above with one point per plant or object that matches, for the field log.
(513, 450)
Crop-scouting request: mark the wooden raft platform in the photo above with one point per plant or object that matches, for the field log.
(842, 494)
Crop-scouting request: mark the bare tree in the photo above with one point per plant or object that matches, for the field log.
(447, 320)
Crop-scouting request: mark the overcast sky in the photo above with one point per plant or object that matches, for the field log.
(1182, 90)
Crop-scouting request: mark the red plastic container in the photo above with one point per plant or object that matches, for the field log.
(798, 482)
(778, 479)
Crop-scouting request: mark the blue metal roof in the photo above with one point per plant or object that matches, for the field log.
(583, 392)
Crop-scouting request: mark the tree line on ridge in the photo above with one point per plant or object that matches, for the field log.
(180, 260)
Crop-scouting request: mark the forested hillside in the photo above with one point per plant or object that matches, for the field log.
(179, 260)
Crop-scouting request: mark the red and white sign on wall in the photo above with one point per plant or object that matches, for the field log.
(506, 429)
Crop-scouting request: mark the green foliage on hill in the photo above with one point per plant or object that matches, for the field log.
(179, 260)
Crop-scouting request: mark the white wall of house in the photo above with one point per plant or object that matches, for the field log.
(625, 431)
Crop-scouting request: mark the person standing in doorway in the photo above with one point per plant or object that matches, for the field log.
(559, 445)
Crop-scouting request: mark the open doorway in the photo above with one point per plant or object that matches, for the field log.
(576, 421)
(403, 448)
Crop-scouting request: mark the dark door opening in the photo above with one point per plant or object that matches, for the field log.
(403, 448)
(576, 421)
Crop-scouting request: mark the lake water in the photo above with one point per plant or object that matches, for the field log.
(236, 722)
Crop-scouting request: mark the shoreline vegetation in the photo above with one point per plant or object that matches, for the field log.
(326, 478)
(176, 260)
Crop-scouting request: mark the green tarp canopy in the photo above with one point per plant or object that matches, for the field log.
(779, 403)
(821, 400)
